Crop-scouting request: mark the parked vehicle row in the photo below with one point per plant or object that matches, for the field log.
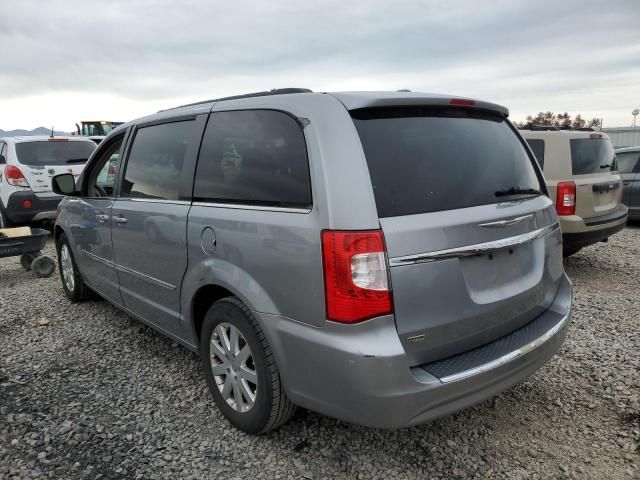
(27, 165)
(628, 160)
(580, 172)
(384, 258)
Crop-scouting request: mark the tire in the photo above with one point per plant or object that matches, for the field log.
(43, 266)
(271, 407)
(4, 220)
(77, 290)
(26, 259)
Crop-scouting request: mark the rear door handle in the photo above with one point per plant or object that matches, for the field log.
(626, 183)
(120, 220)
(101, 217)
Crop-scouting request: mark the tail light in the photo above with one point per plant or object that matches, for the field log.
(566, 198)
(356, 279)
(15, 177)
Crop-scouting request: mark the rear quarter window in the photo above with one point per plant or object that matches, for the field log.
(428, 159)
(254, 157)
(537, 146)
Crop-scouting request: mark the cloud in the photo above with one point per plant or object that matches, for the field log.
(579, 56)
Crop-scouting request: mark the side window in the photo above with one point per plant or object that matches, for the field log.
(104, 171)
(154, 164)
(627, 162)
(3, 153)
(254, 157)
(538, 150)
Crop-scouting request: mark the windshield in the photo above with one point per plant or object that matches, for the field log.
(591, 155)
(50, 153)
(96, 128)
(426, 159)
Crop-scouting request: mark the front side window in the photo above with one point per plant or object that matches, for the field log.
(154, 165)
(537, 146)
(255, 157)
(55, 151)
(433, 159)
(627, 161)
(591, 155)
(105, 170)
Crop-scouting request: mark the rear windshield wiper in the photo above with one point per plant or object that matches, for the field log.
(77, 160)
(517, 191)
(605, 166)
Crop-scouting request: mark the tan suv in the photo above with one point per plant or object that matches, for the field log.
(580, 170)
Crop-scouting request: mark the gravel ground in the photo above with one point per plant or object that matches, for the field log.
(87, 392)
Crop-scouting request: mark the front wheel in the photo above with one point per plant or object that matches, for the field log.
(240, 369)
(72, 283)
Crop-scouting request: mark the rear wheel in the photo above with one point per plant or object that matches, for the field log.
(240, 369)
(72, 283)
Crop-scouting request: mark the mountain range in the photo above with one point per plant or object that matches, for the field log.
(36, 131)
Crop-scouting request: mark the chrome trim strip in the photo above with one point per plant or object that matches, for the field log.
(98, 259)
(145, 277)
(476, 249)
(509, 356)
(505, 223)
(154, 200)
(239, 206)
(122, 269)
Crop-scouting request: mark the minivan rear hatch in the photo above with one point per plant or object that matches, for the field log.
(41, 160)
(598, 191)
(473, 243)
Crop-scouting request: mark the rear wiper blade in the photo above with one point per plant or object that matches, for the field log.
(605, 166)
(77, 160)
(517, 191)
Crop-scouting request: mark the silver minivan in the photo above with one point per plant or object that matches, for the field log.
(385, 258)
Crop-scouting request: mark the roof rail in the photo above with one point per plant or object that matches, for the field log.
(530, 126)
(275, 91)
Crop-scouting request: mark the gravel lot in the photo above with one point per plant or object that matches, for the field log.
(87, 392)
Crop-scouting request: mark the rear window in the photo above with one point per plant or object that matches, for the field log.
(591, 155)
(427, 160)
(41, 153)
(537, 146)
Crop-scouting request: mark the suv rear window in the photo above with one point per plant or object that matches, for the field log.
(49, 153)
(432, 159)
(591, 155)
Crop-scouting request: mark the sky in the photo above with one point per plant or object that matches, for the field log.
(62, 61)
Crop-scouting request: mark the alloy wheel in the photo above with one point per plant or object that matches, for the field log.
(66, 265)
(233, 367)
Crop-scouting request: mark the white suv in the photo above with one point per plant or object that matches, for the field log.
(27, 165)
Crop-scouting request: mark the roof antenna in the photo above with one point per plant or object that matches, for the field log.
(51, 131)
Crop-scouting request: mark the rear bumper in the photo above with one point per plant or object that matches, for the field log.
(41, 207)
(360, 373)
(583, 232)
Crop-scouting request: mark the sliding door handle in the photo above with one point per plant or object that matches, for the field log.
(120, 220)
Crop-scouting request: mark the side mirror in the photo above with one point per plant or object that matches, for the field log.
(64, 184)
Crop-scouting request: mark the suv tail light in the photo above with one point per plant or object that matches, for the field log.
(15, 177)
(356, 278)
(566, 198)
